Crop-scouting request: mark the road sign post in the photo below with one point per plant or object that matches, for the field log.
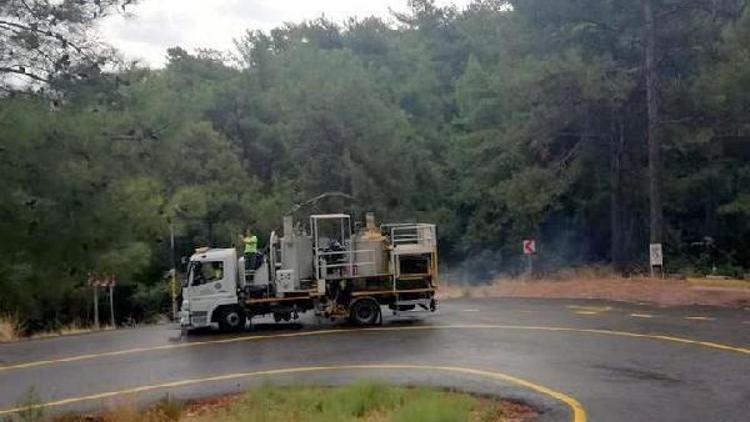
(656, 258)
(529, 266)
(529, 249)
(95, 281)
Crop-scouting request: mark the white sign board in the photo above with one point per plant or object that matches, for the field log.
(655, 253)
(529, 247)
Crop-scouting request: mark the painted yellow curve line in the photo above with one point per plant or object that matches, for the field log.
(578, 413)
(682, 340)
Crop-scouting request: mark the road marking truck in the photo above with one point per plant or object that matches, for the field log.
(325, 266)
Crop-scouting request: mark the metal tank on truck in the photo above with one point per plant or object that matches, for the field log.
(321, 265)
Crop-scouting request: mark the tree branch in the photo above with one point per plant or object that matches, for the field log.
(24, 73)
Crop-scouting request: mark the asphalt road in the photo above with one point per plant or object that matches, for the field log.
(571, 359)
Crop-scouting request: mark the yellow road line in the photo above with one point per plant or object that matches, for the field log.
(681, 340)
(578, 413)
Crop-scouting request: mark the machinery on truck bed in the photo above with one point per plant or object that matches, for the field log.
(323, 267)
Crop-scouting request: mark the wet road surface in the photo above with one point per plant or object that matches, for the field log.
(604, 361)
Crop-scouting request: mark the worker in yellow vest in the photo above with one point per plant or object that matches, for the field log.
(251, 250)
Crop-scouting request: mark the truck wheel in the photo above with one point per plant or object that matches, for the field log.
(231, 319)
(365, 312)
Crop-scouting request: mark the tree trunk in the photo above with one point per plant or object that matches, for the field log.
(655, 164)
(617, 143)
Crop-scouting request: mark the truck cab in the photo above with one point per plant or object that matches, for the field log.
(209, 293)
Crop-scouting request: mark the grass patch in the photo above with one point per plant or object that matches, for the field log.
(362, 401)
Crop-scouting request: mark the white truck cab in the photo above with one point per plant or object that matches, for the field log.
(211, 285)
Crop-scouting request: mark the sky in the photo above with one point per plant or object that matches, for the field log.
(155, 25)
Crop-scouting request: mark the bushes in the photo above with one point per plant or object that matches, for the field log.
(74, 311)
(10, 328)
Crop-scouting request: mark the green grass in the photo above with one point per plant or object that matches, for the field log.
(362, 401)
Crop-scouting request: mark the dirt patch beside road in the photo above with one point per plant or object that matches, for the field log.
(657, 291)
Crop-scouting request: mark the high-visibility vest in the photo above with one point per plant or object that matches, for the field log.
(251, 244)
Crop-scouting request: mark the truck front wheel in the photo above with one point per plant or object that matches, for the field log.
(365, 312)
(231, 319)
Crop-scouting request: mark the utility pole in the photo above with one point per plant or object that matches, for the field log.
(112, 282)
(96, 307)
(655, 164)
(617, 203)
(173, 281)
(93, 282)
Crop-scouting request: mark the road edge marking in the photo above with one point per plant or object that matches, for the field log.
(578, 412)
(682, 340)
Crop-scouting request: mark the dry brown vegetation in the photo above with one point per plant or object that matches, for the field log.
(10, 328)
(70, 329)
(598, 283)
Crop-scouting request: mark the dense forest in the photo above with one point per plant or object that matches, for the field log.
(577, 122)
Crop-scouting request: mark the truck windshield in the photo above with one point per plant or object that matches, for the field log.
(205, 272)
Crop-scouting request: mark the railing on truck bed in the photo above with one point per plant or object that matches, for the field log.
(411, 234)
(412, 239)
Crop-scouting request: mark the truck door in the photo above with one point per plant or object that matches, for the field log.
(207, 284)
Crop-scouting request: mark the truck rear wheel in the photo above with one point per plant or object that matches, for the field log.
(365, 312)
(231, 319)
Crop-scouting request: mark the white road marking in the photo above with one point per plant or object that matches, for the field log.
(590, 308)
(641, 315)
(471, 310)
(699, 318)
